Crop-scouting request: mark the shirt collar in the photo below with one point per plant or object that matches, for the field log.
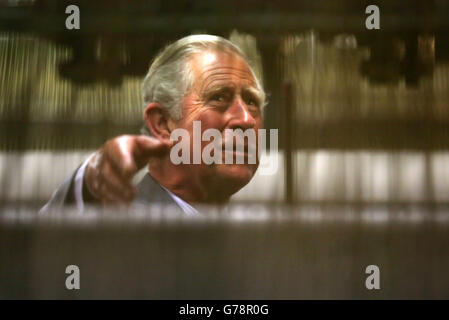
(187, 208)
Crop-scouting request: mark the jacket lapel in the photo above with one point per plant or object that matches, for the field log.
(150, 191)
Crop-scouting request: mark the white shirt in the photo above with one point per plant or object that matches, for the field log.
(187, 208)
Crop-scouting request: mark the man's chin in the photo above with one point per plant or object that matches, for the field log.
(235, 176)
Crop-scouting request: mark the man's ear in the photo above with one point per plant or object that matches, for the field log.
(158, 121)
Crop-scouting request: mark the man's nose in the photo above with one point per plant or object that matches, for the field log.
(241, 117)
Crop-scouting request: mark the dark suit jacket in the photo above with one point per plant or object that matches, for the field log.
(148, 192)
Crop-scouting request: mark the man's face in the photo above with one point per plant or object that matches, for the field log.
(224, 96)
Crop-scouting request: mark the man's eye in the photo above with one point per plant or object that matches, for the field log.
(252, 102)
(218, 97)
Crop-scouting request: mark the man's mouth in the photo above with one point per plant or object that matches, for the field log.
(237, 149)
(245, 152)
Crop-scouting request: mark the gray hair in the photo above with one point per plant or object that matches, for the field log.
(170, 77)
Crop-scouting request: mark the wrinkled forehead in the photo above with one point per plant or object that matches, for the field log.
(214, 68)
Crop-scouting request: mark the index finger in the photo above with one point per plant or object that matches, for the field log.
(147, 147)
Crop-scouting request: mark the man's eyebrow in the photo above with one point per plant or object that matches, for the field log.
(218, 89)
(254, 92)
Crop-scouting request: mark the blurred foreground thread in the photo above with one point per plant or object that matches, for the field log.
(238, 213)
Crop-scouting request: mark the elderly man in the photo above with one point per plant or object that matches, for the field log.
(197, 78)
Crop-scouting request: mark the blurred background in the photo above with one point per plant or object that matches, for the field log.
(363, 120)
